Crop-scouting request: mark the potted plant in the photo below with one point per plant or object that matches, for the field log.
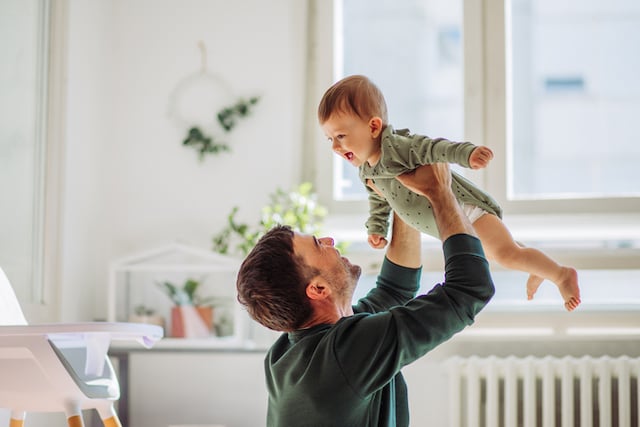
(191, 314)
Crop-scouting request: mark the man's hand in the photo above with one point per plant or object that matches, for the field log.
(428, 180)
(434, 182)
(480, 157)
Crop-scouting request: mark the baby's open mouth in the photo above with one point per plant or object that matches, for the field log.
(348, 156)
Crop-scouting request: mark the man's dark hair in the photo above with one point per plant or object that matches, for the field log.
(272, 282)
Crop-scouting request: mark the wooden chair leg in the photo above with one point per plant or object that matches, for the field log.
(75, 421)
(74, 415)
(112, 422)
(16, 419)
(108, 415)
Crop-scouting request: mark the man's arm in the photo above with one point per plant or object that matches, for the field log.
(399, 276)
(405, 246)
(405, 332)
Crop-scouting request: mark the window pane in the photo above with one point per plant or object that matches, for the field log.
(412, 49)
(575, 86)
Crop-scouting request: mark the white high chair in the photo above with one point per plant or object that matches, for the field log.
(61, 367)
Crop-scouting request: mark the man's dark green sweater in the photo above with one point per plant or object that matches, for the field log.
(348, 374)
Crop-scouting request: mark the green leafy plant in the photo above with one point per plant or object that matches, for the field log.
(204, 143)
(297, 208)
(187, 294)
(227, 118)
(240, 232)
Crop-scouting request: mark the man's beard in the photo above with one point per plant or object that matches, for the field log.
(345, 278)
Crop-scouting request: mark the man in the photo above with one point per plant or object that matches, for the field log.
(338, 364)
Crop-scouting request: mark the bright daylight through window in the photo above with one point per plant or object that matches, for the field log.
(575, 98)
(571, 84)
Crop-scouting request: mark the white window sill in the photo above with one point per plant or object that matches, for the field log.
(605, 249)
(578, 230)
(545, 334)
(590, 241)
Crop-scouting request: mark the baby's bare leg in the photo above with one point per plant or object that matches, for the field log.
(533, 281)
(499, 245)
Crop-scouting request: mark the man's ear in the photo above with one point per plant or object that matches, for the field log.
(375, 126)
(317, 289)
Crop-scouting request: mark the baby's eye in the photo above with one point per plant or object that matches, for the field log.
(330, 140)
(340, 137)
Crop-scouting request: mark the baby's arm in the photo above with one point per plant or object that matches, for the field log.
(405, 152)
(378, 221)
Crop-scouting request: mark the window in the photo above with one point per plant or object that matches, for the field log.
(551, 87)
(559, 100)
(28, 176)
(574, 92)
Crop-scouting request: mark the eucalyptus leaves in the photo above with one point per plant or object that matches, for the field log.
(228, 118)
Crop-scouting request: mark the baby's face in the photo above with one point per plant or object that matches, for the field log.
(352, 138)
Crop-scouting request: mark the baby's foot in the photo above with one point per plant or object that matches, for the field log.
(533, 283)
(568, 287)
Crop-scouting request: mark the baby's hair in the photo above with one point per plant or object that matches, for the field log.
(353, 95)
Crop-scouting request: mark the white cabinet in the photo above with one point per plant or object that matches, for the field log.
(225, 388)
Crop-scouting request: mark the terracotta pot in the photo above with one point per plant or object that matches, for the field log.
(184, 326)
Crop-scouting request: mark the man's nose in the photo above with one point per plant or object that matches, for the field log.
(327, 241)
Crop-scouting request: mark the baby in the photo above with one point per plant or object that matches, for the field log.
(353, 116)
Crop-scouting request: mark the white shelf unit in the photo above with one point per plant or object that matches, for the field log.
(134, 280)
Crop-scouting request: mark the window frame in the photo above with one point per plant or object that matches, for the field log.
(44, 306)
(491, 18)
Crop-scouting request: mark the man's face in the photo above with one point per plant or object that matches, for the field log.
(351, 138)
(324, 257)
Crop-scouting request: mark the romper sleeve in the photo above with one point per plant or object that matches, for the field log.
(404, 151)
(379, 213)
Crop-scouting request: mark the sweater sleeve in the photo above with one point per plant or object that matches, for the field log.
(373, 348)
(395, 285)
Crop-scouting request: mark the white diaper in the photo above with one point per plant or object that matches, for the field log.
(472, 212)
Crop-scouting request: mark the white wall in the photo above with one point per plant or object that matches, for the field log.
(129, 183)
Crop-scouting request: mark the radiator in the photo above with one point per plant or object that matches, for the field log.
(543, 392)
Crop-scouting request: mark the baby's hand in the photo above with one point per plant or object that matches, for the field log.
(376, 241)
(480, 157)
